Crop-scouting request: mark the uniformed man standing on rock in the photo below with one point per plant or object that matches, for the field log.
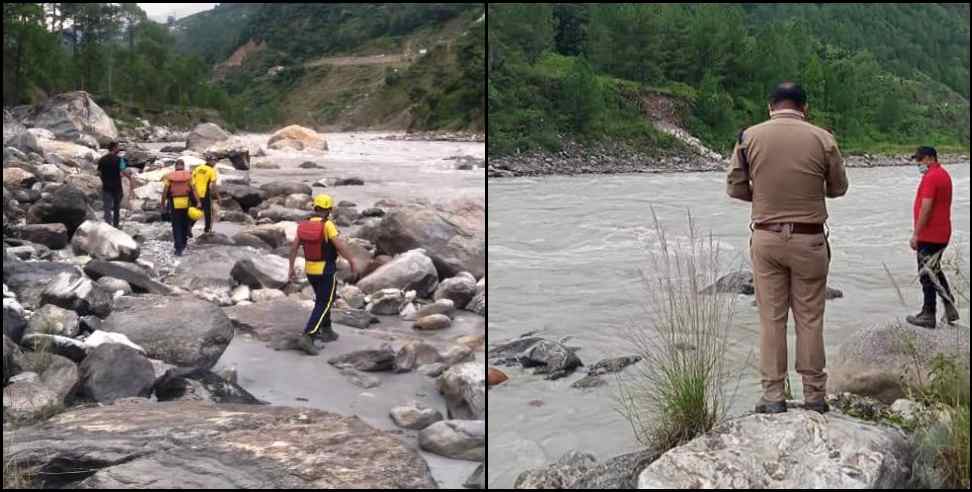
(787, 168)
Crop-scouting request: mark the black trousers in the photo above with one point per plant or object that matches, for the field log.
(324, 291)
(111, 200)
(931, 255)
(180, 227)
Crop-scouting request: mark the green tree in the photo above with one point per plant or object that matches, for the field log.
(582, 98)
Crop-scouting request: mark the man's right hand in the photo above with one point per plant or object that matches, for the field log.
(292, 276)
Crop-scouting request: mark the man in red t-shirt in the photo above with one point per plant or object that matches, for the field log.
(933, 231)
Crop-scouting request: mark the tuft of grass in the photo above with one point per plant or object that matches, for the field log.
(683, 389)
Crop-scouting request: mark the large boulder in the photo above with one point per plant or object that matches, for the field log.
(413, 270)
(200, 384)
(114, 371)
(478, 304)
(28, 280)
(247, 196)
(464, 388)
(298, 138)
(27, 402)
(797, 450)
(460, 290)
(73, 114)
(453, 234)
(129, 272)
(280, 188)
(65, 205)
(209, 268)
(204, 136)
(103, 242)
(577, 470)
(182, 331)
(456, 439)
(59, 375)
(215, 447)
(99, 338)
(55, 344)
(14, 323)
(78, 294)
(282, 214)
(267, 272)
(884, 361)
(15, 179)
(88, 185)
(17, 136)
(53, 236)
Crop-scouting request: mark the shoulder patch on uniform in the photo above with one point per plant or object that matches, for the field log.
(742, 134)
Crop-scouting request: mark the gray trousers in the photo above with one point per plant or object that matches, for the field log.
(112, 204)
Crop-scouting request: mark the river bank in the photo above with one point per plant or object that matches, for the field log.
(576, 159)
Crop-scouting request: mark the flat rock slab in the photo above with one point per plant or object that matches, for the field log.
(797, 450)
(195, 445)
(269, 321)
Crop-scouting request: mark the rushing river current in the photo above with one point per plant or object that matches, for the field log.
(565, 256)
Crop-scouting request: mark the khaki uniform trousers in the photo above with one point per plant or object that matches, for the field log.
(790, 272)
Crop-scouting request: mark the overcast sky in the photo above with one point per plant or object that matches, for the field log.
(160, 11)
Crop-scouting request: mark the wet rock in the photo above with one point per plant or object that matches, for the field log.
(181, 331)
(359, 379)
(415, 416)
(577, 470)
(115, 285)
(279, 188)
(132, 274)
(53, 236)
(405, 359)
(73, 114)
(787, 462)
(297, 138)
(52, 320)
(386, 302)
(55, 344)
(367, 360)
(551, 359)
(456, 439)
(65, 205)
(734, 283)
(78, 294)
(248, 440)
(589, 382)
(410, 271)
(464, 388)
(267, 272)
(433, 322)
(349, 182)
(310, 165)
(203, 385)
(355, 318)
(460, 290)
(495, 377)
(609, 366)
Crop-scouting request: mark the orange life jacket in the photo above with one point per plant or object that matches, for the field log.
(179, 183)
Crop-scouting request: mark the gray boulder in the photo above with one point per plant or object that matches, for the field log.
(14, 323)
(134, 275)
(267, 272)
(413, 270)
(386, 302)
(65, 205)
(204, 136)
(415, 416)
(464, 388)
(55, 344)
(78, 294)
(460, 290)
(53, 320)
(798, 450)
(246, 196)
(442, 306)
(456, 439)
(70, 115)
(367, 360)
(10, 354)
(112, 371)
(28, 280)
(53, 236)
(577, 470)
(355, 318)
(182, 331)
(279, 188)
(201, 384)
(115, 285)
(434, 322)
(103, 242)
(28, 402)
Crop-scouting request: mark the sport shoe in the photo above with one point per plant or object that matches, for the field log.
(951, 314)
(923, 319)
(770, 408)
(327, 335)
(820, 407)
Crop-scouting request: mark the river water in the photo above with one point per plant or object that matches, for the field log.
(565, 256)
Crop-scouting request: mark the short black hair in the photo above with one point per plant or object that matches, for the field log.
(113, 145)
(925, 152)
(788, 91)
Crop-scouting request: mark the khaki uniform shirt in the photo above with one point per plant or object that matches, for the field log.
(793, 167)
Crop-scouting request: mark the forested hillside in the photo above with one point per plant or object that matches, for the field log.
(881, 76)
(258, 66)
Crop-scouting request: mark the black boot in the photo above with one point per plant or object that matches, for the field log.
(924, 319)
(770, 408)
(951, 313)
(820, 407)
(306, 343)
(327, 334)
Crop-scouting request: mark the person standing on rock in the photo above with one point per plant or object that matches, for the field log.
(204, 178)
(787, 168)
(176, 196)
(933, 231)
(322, 244)
(112, 168)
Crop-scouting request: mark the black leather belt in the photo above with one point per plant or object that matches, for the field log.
(797, 228)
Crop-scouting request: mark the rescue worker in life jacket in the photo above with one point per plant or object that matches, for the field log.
(322, 244)
(177, 195)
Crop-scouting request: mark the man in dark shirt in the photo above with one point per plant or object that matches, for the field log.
(111, 168)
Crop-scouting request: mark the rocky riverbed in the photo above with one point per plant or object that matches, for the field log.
(99, 322)
(577, 159)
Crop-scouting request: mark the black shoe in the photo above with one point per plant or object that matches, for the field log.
(306, 343)
(820, 407)
(924, 319)
(770, 408)
(327, 335)
(951, 314)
